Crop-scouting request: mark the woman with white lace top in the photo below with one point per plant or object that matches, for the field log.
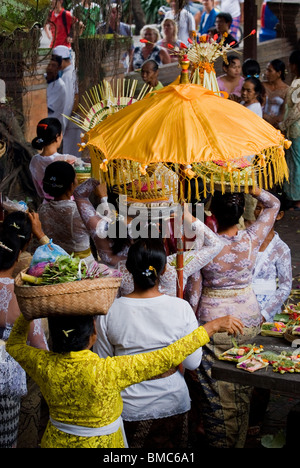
(98, 224)
(14, 238)
(226, 288)
(48, 141)
(59, 217)
(272, 274)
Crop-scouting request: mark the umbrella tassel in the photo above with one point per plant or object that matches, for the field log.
(246, 184)
(270, 175)
(189, 196)
(212, 185)
(222, 182)
(197, 188)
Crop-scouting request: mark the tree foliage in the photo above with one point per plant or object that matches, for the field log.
(22, 15)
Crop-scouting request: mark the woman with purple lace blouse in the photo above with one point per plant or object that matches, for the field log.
(225, 287)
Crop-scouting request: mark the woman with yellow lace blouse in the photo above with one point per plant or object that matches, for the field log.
(82, 390)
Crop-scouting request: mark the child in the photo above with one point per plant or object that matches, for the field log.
(82, 390)
(60, 217)
(15, 236)
(251, 68)
(48, 141)
(272, 274)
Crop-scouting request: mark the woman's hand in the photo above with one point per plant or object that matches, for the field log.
(36, 225)
(256, 191)
(101, 190)
(228, 323)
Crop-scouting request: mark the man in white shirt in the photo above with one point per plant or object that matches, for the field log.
(56, 89)
(185, 22)
(71, 131)
(236, 10)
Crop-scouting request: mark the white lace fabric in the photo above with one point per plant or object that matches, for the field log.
(273, 264)
(232, 269)
(12, 376)
(62, 223)
(207, 245)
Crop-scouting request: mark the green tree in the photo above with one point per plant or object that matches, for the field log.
(22, 15)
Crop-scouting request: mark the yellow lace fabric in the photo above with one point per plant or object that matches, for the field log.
(83, 389)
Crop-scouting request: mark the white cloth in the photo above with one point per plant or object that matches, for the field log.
(56, 99)
(83, 431)
(272, 265)
(231, 6)
(37, 168)
(255, 107)
(186, 23)
(135, 326)
(71, 131)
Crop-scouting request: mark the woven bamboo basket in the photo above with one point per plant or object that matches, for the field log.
(84, 297)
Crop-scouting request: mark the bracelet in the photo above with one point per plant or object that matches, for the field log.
(44, 240)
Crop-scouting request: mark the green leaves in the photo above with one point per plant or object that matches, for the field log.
(22, 14)
(274, 441)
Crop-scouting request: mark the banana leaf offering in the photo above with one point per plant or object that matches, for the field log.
(65, 269)
(239, 353)
(273, 329)
(253, 364)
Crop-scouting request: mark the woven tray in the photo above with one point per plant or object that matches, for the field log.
(84, 297)
(289, 336)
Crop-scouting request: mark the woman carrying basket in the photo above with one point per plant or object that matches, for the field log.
(83, 390)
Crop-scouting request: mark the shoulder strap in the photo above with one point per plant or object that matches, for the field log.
(64, 20)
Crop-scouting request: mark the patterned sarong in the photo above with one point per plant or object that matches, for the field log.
(225, 405)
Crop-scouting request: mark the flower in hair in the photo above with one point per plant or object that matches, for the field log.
(66, 332)
(14, 225)
(3, 246)
(149, 271)
(40, 140)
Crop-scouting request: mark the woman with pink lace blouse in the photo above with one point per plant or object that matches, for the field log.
(224, 287)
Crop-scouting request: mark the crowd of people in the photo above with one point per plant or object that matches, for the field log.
(120, 380)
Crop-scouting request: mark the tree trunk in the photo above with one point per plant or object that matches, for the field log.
(138, 15)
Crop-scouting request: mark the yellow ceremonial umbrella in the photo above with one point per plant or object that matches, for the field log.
(190, 128)
(185, 125)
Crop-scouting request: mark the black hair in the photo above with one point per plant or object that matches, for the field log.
(227, 208)
(10, 247)
(230, 59)
(70, 333)
(57, 58)
(154, 64)
(146, 261)
(47, 132)
(226, 16)
(250, 68)
(294, 59)
(58, 178)
(279, 66)
(18, 225)
(258, 88)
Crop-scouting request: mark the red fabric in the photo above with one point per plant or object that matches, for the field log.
(58, 28)
(212, 223)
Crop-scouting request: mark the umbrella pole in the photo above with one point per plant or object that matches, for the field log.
(180, 246)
